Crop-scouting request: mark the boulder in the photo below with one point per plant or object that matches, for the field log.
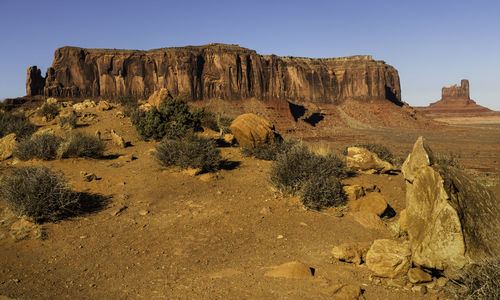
(372, 202)
(294, 270)
(351, 252)
(364, 161)
(252, 131)
(347, 292)
(388, 258)
(7, 145)
(417, 275)
(157, 96)
(452, 220)
(354, 192)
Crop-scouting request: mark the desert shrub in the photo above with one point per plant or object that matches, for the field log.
(129, 104)
(322, 191)
(224, 122)
(39, 193)
(270, 152)
(213, 121)
(67, 122)
(481, 281)
(42, 146)
(77, 144)
(49, 111)
(15, 123)
(157, 122)
(382, 151)
(189, 152)
(447, 159)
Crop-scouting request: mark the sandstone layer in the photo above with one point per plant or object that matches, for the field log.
(213, 71)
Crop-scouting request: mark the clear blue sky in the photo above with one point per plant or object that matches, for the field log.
(431, 43)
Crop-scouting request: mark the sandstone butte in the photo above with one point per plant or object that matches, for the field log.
(213, 71)
(455, 100)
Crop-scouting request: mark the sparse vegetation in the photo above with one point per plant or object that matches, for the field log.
(216, 122)
(77, 144)
(39, 193)
(298, 170)
(129, 104)
(189, 152)
(67, 122)
(480, 282)
(447, 159)
(173, 116)
(270, 152)
(42, 146)
(49, 111)
(15, 123)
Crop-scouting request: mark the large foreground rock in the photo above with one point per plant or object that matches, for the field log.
(252, 131)
(452, 220)
(388, 258)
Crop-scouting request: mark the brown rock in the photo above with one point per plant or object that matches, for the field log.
(369, 220)
(117, 140)
(347, 292)
(364, 161)
(201, 72)
(372, 202)
(388, 258)
(403, 222)
(417, 275)
(156, 98)
(354, 192)
(452, 220)
(7, 145)
(104, 105)
(252, 131)
(294, 270)
(351, 252)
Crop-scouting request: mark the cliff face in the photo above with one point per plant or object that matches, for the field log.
(213, 71)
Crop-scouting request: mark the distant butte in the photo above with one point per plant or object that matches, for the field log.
(455, 101)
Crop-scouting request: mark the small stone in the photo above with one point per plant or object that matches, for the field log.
(127, 158)
(442, 281)
(83, 237)
(143, 212)
(118, 210)
(351, 252)
(422, 290)
(417, 275)
(265, 211)
(104, 105)
(88, 176)
(191, 171)
(279, 237)
(117, 140)
(354, 192)
(347, 292)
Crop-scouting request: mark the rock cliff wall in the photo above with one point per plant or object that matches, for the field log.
(213, 71)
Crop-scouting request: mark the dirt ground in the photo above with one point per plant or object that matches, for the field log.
(165, 234)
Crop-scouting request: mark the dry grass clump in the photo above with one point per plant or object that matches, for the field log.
(67, 122)
(270, 152)
(480, 281)
(42, 146)
(77, 144)
(189, 152)
(315, 177)
(39, 193)
(15, 123)
(49, 111)
(214, 121)
(447, 159)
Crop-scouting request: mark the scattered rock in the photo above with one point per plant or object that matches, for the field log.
(372, 202)
(7, 145)
(143, 212)
(252, 131)
(354, 192)
(127, 158)
(157, 96)
(117, 140)
(417, 275)
(364, 161)
(347, 292)
(294, 270)
(104, 105)
(24, 229)
(452, 220)
(351, 252)
(88, 176)
(420, 289)
(403, 223)
(442, 281)
(388, 258)
(396, 282)
(84, 105)
(117, 210)
(265, 211)
(191, 171)
(368, 220)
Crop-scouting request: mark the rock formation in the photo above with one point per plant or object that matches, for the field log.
(213, 71)
(452, 221)
(455, 100)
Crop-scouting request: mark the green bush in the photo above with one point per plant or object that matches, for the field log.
(42, 146)
(189, 152)
(77, 144)
(67, 122)
(173, 113)
(322, 191)
(49, 111)
(15, 123)
(39, 193)
(382, 151)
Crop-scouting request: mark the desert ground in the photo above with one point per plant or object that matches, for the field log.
(166, 234)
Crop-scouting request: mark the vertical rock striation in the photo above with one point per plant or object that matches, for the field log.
(214, 71)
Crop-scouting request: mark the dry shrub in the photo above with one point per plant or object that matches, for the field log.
(49, 111)
(322, 191)
(77, 144)
(42, 146)
(480, 281)
(189, 152)
(15, 123)
(270, 152)
(447, 159)
(39, 193)
(67, 122)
